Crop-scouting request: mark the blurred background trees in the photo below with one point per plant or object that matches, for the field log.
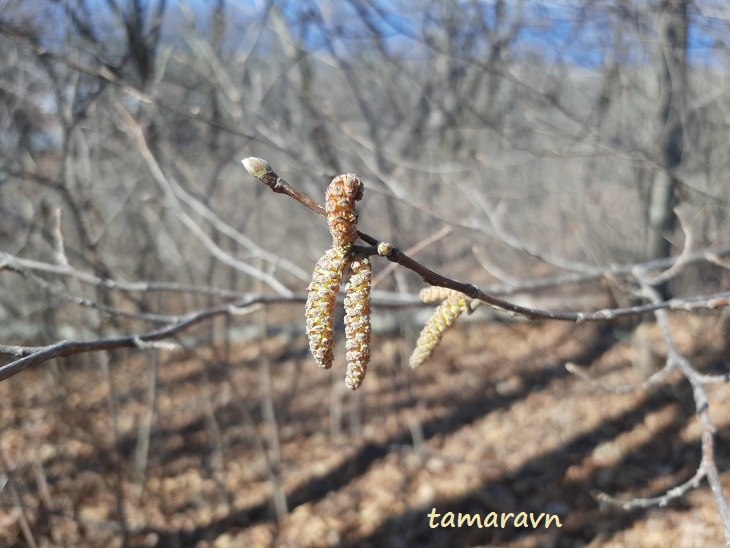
(575, 130)
(550, 138)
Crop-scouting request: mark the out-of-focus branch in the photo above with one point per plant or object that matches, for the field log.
(707, 467)
(27, 266)
(30, 356)
(64, 294)
(648, 502)
(614, 271)
(683, 258)
(701, 406)
(499, 230)
(18, 264)
(650, 382)
(107, 74)
(137, 135)
(241, 239)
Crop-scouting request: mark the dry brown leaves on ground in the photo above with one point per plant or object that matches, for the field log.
(492, 423)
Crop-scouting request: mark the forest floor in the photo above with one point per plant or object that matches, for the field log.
(492, 423)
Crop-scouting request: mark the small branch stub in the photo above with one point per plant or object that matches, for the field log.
(385, 249)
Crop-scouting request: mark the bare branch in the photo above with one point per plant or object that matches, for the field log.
(650, 382)
(138, 135)
(707, 467)
(663, 500)
(17, 264)
(683, 259)
(36, 355)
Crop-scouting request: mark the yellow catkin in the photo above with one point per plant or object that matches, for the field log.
(342, 193)
(357, 322)
(441, 319)
(320, 307)
(436, 294)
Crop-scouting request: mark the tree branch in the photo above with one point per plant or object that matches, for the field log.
(262, 170)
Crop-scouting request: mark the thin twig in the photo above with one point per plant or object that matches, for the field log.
(683, 259)
(650, 382)
(58, 245)
(25, 267)
(24, 524)
(702, 408)
(35, 355)
(648, 502)
(12, 262)
(136, 133)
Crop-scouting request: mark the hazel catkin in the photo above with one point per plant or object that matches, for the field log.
(321, 299)
(441, 319)
(342, 193)
(340, 198)
(357, 322)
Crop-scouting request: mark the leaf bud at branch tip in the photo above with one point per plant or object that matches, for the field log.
(256, 166)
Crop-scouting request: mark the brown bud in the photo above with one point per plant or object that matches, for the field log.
(357, 322)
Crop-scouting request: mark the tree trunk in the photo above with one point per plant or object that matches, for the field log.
(673, 25)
